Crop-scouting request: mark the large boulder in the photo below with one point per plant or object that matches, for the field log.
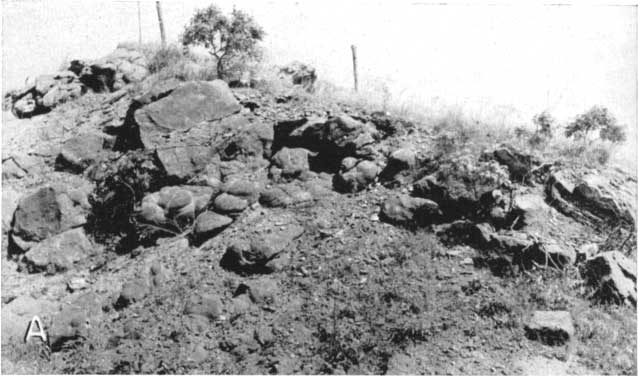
(262, 251)
(190, 107)
(465, 189)
(190, 125)
(598, 198)
(355, 176)
(48, 211)
(291, 162)
(81, 151)
(614, 277)
(409, 211)
(60, 252)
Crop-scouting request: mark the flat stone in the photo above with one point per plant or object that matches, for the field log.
(550, 327)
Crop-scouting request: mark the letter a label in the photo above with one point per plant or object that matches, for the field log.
(31, 330)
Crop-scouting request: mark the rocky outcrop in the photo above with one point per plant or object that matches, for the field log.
(613, 276)
(597, 198)
(189, 125)
(107, 74)
(332, 139)
(463, 188)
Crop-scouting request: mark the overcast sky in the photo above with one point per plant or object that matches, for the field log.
(520, 59)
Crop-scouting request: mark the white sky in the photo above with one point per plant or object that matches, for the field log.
(527, 58)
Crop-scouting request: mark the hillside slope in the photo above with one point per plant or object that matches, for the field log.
(163, 226)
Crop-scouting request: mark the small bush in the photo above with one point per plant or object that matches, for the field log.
(164, 58)
(597, 118)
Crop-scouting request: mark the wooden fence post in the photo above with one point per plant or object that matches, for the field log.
(161, 22)
(354, 67)
(139, 23)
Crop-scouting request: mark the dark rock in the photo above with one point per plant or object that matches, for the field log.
(614, 277)
(478, 235)
(256, 255)
(551, 255)
(399, 160)
(409, 211)
(60, 252)
(333, 139)
(80, 152)
(464, 188)
(519, 165)
(356, 178)
(596, 198)
(186, 107)
(550, 327)
(49, 211)
(292, 162)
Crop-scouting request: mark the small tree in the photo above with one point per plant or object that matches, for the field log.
(232, 41)
(544, 123)
(598, 118)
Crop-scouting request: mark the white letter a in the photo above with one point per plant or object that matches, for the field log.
(32, 333)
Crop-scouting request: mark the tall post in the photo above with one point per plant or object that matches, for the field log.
(139, 23)
(161, 22)
(354, 67)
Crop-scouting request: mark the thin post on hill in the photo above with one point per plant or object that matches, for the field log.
(139, 23)
(354, 67)
(161, 22)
